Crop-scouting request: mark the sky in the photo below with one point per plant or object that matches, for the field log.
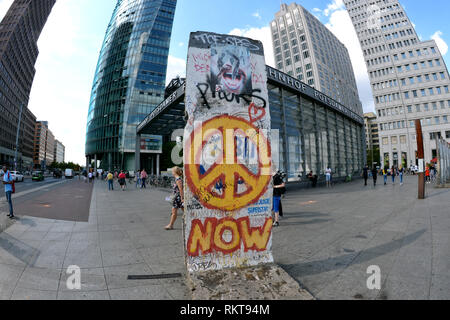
(71, 41)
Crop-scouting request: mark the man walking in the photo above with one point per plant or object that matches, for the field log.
(110, 179)
(374, 176)
(365, 174)
(8, 182)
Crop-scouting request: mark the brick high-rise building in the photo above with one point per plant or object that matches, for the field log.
(44, 145)
(409, 80)
(19, 33)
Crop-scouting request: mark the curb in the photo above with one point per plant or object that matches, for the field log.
(263, 282)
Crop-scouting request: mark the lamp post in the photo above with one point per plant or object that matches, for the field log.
(17, 137)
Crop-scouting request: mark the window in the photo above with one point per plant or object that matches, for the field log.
(415, 93)
(394, 140)
(386, 140)
(445, 119)
(411, 80)
(438, 62)
(427, 77)
(409, 109)
(419, 79)
(402, 139)
(431, 91)
(442, 76)
(426, 107)
(407, 67)
(417, 107)
(399, 69)
(438, 89)
(406, 95)
(435, 77)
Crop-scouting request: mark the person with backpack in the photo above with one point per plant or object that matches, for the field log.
(385, 175)
(8, 181)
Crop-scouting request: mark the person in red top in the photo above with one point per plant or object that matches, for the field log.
(427, 175)
(122, 181)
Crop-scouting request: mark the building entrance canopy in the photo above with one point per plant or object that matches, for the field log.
(169, 115)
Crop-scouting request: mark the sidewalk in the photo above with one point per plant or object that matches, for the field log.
(124, 236)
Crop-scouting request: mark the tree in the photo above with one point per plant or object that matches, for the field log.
(373, 156)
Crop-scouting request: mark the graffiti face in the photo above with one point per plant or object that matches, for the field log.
(231, 69)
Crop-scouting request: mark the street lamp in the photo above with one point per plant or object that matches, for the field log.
(17, 137)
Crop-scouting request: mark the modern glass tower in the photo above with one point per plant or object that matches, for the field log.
(129, 80)
(409, 80)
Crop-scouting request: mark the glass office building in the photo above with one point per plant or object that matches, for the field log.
(314, 130)
(129, 80)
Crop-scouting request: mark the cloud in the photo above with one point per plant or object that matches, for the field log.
(257, 15)
(442, 45)
(334, 6)
(341, 25)
(4, 6)
(176, 67)
(261, 34)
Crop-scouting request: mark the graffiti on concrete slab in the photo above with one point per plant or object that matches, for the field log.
(227, 157)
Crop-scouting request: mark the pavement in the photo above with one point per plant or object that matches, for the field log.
(327, 240)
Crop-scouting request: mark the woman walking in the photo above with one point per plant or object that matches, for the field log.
(385, 175)
(401, 172)
(393, 173)
(177, 197)
(144, 177)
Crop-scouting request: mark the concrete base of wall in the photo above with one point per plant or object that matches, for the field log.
(442, 186)
(264, 282)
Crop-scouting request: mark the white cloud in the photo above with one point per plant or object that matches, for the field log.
(4, 6)
(176, 67)
(334, 6)
(261, 34)
(442, 45)
(257, 15)
(341, 26)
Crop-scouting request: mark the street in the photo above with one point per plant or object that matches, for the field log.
(326, 241)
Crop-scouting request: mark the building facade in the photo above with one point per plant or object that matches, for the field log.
(129, 81)
(44, 144)
(305, 49)
(314, 131)
(59, 152)
(372, 138)
(19, 33)
(409, 80)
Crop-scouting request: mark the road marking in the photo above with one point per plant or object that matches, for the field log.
(23, 193)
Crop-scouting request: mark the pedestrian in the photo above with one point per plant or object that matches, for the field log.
(110, 179)
(374, 176)
(122, 181)
(427, 175)
(8, 181)
(393, 174)
(144, 178)
(401, 172)
(278, 186)
(90, 177)
(177, 196)
(137, 178)
(365, 174)
(328, 176)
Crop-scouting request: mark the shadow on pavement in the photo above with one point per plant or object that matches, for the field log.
(18, 249)
(346, 260)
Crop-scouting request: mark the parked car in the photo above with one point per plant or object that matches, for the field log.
(17, 176)
(38, 176)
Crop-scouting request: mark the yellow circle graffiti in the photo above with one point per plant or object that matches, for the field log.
(228, 172)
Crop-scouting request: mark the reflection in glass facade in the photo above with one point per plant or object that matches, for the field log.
(129, 80)
(313, 136)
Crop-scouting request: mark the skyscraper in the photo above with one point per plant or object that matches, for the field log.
(305, 49)
(129, 81)
(19, 32)
(409, 80)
